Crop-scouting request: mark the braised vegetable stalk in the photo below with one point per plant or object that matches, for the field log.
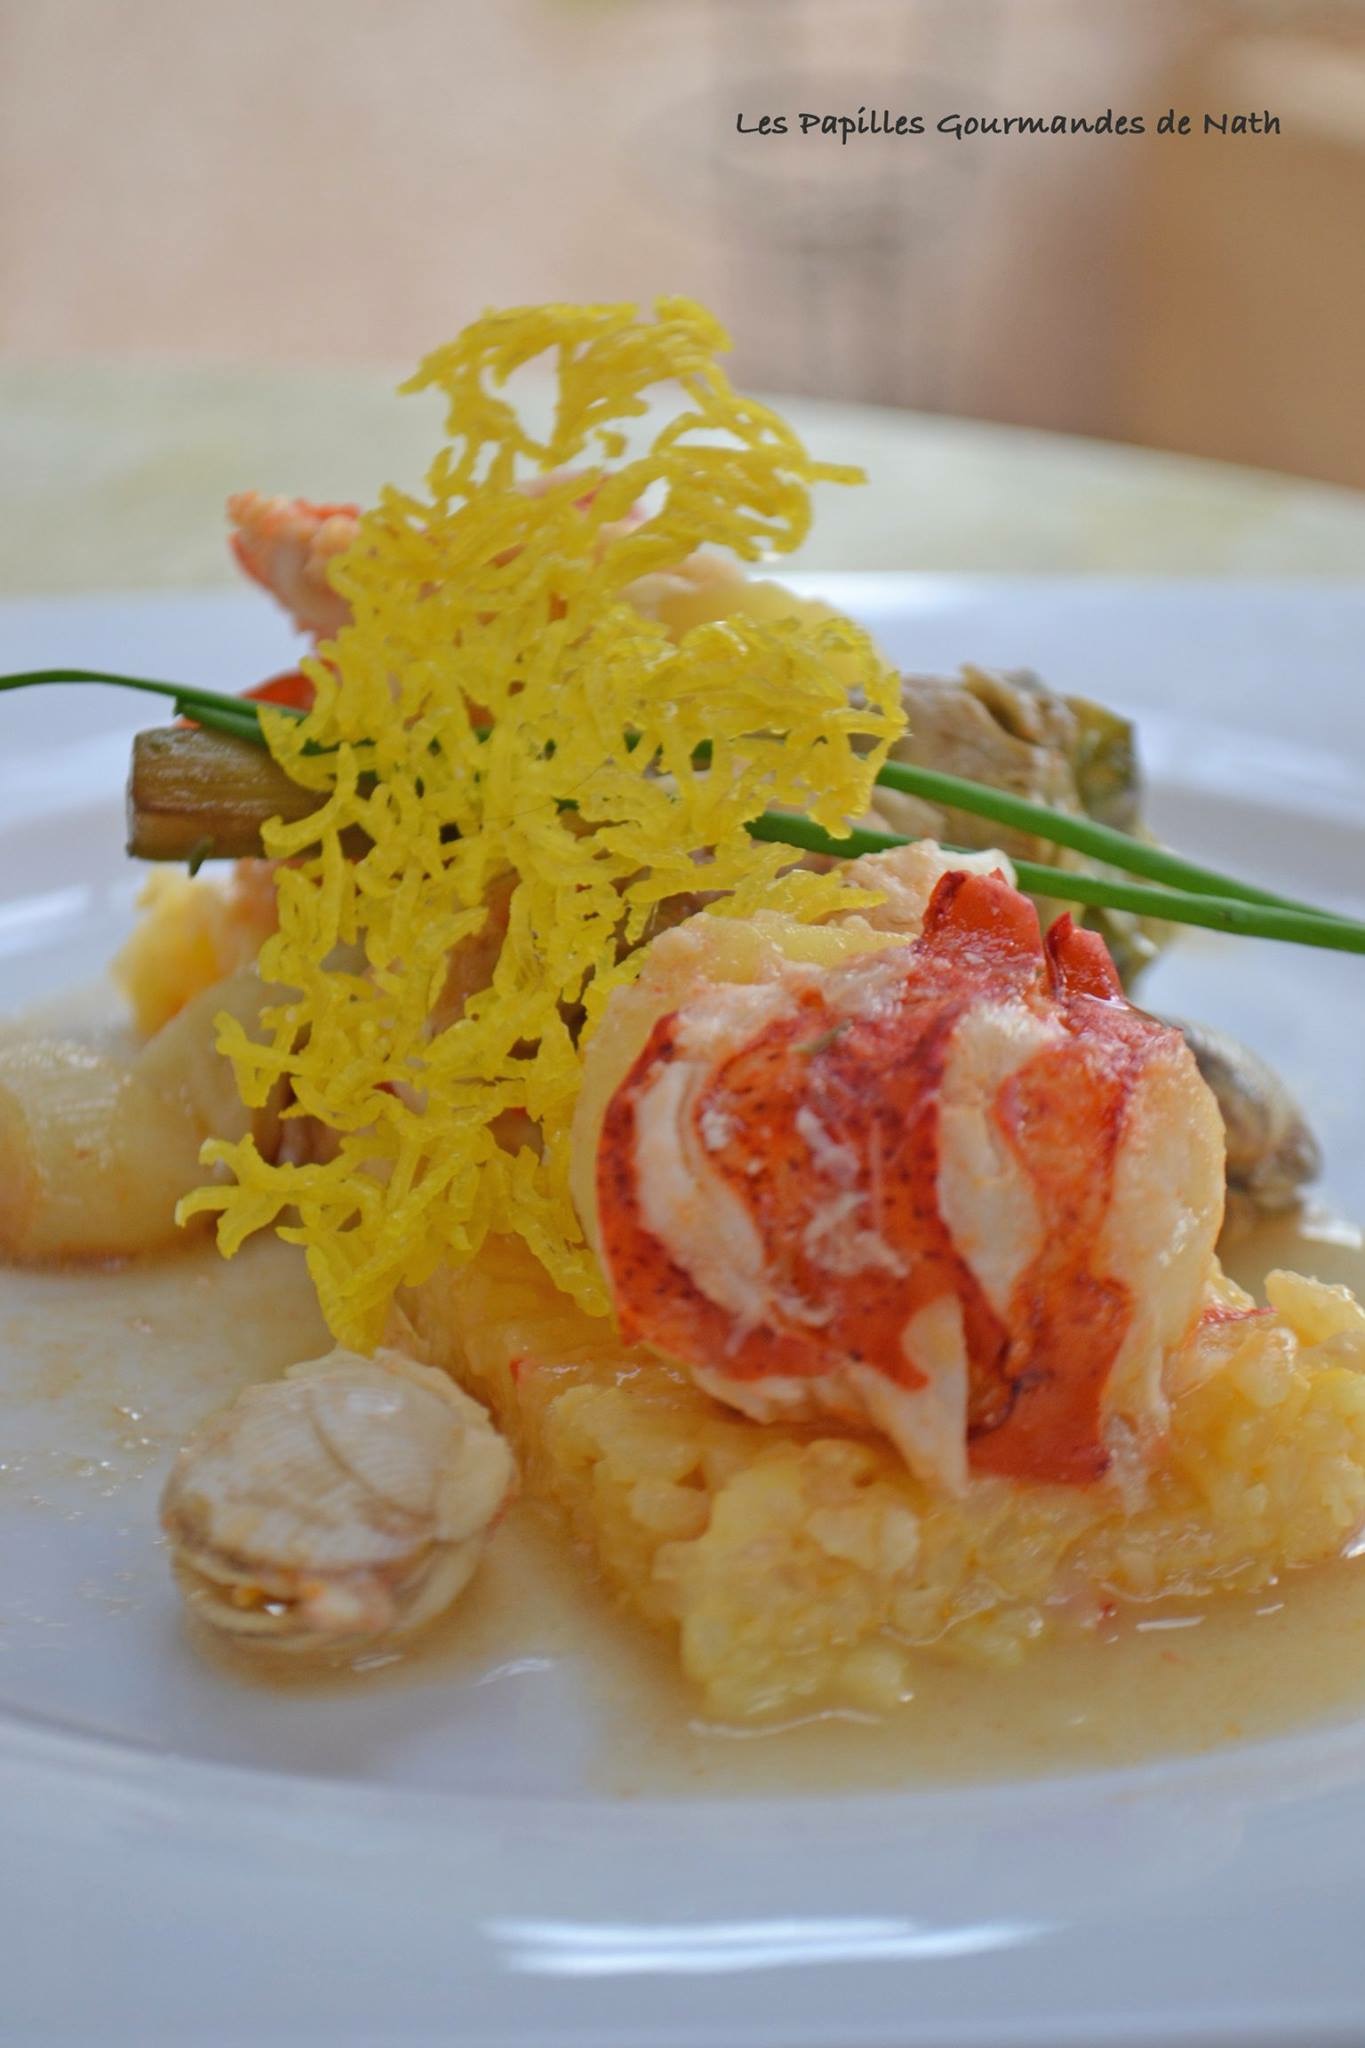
(178, 806)
(195, 795)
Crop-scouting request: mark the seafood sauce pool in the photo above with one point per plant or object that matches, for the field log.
(535, 1684)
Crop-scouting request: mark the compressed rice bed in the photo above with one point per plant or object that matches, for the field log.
(804, 1567)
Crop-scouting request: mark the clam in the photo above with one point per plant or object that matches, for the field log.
(342, 1505)
(1272, 1154)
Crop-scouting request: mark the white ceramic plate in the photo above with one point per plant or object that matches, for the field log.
(182, 1859)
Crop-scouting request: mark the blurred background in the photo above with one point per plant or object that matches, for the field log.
(344, 182)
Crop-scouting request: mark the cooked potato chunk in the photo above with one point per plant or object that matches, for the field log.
(98, 1145)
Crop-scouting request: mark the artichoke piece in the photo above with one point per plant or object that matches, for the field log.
(1006, 728)
(1009, 730)
(1105, 764)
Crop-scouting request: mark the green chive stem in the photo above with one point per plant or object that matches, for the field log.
(239, 716)
(1080, 834)
(1191, 894)
(1175, 906)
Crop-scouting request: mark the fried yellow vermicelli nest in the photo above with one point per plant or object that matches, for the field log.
(795, 1567)
(494, 708)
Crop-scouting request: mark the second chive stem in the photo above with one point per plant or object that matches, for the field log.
(1190, 894)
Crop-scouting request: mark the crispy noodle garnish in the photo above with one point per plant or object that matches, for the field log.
(496, 713)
